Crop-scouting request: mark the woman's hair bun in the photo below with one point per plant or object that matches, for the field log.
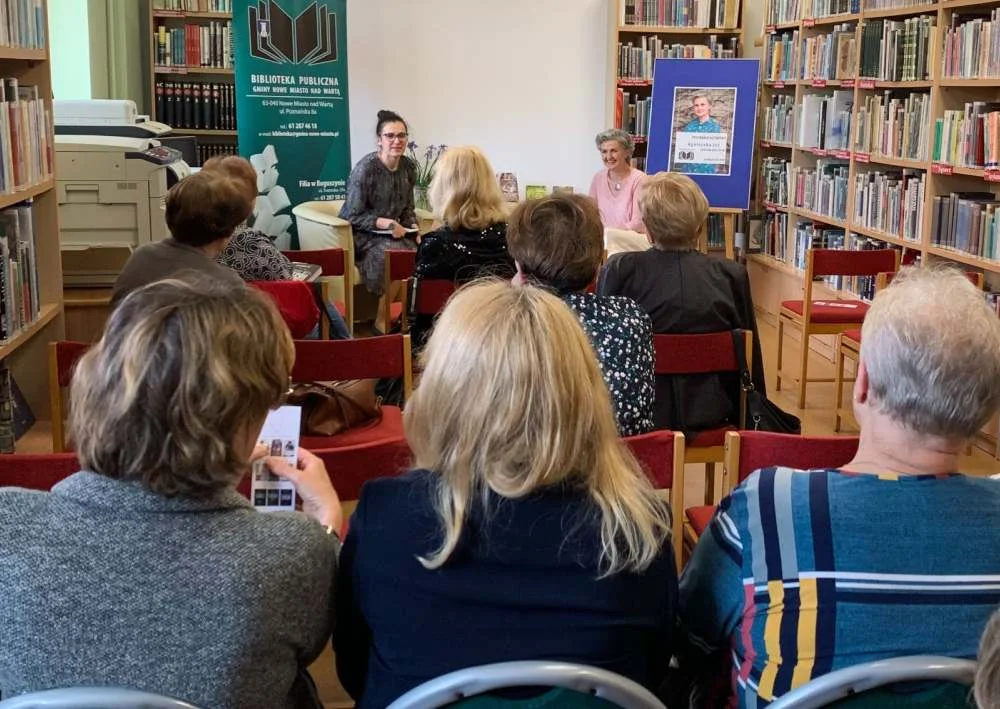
(385, 115)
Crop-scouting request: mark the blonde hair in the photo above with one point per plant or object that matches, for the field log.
(185, 367)
(464, 191)
(987, 686)
(674, 210)
(541, 415)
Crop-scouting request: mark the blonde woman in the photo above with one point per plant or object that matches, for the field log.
(472, 240)
(526, 531)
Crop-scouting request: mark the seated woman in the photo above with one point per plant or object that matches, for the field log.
(472, 241)
(615, 187)
(527, 531)
(894, 554)
(148, 569)
(685, 291)
(202, 211)
(556, 243)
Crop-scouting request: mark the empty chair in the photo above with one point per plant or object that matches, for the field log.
(63, 357)
(36, 471)
(296, 303)
(93, 698)
(661, 455)
(334, 264)
(400, 265)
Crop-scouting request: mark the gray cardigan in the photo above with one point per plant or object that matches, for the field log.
(106, 583)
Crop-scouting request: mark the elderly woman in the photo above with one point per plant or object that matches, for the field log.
(148, 569)
(615, 187)
(685, 291)
(527, 529)
(896, 553)
(556, 243)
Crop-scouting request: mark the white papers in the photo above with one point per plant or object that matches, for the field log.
(280, 434)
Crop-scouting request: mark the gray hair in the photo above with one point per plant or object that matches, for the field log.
(932, 349)
(618, 135)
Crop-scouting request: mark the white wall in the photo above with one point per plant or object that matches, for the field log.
(70, 48)
(526, 80)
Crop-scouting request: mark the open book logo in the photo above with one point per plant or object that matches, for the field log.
(309, 38)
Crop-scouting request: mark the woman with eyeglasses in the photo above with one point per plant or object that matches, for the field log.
(379, 202)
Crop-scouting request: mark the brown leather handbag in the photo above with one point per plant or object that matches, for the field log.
(329, 408)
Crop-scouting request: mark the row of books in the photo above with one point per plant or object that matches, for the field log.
(26, 152)
(967, 221)
(993, 300)
(779, 56)
(774, 179)
(895, 4)
(778, 122)
(720, 14)
(22, 24)
(779, 11)
(19, 297)
(826, 8)
(194, 5)
(824, 189)
(970, 137)
(890, 202)
(810, 235)
(972, 46)
(715, 232)
(897, 50)
(894, 126)
(774, 228)
(829, 56)
(208, 45)
(210, 150)
(825, 120)
(636, 61)
(632, 113)
(197, 106)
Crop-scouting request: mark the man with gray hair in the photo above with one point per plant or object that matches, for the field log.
(896, 553)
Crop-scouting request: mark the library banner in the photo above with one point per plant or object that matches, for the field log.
(291, 105)
(703, 121)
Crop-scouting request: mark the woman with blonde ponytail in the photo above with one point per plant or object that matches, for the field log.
(526, 530)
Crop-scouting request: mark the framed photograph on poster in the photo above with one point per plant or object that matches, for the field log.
(703, 122)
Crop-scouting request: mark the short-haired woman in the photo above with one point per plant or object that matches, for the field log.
(147, 569)
(685, 291)
(987, 688)
(202, 211)
(615, 187)
(380, 204)
(527, 530)
(895, 553)
(557, 243)
(472, 240)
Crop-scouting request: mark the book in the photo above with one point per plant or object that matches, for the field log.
(193, 105)
(893, 125)
(722, 14)
(280, 436)
(891, 202)
(535, 191)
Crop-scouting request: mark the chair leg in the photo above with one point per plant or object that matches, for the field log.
(839, 399)
(781, 333)
(803, 368)
(709, 483)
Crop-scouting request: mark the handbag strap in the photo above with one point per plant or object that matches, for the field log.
(739, 347)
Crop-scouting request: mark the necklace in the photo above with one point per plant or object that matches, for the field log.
(616, 185)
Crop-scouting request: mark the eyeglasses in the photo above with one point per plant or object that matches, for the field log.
(395, 136)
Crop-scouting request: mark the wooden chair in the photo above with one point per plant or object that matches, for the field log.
(387, 356)
(36, 472)
(823, 317)
(63, 357)
(884, 279)
(747, 451)
(400, 265)
(661, 455)
(333, 263)
(707, 353)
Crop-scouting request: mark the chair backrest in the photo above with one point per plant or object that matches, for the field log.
(365, 358)
(430, 295)
(473, 681)
(351, 466)
(63, 357)
(850, 681)
(295, 301)
(400, 265)
(93, 698)
(36, 472)
(747, 451)
(842, 262)
(884, 279)
(332, 262)
(661, 455)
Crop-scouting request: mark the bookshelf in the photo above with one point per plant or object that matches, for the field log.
(191, 75)
(31, 305)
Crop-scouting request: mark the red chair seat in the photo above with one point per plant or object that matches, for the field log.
(853, 335)
(699, 517)
(831, 311)
(709, 438)
(395, 312)
(391, 426)
(341, 308)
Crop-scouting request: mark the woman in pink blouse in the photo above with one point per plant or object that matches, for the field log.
(614, 188)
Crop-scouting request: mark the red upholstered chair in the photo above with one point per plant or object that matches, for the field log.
(704, 354)
(747, 451)
(430, 295)
(63, 357)
(296, 302)
(661, 454)
(825, 317)
(387, 356)
(36, 472)
(333, 263)
(400, 265)
(884, 279)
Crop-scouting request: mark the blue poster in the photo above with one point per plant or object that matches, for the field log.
(291, 99)
(703, 123)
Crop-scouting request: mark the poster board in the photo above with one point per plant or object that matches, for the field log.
(703, 123)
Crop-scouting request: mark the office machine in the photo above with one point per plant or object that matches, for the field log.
(104, 117)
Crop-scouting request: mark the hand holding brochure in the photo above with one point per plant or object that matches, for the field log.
(280, 434)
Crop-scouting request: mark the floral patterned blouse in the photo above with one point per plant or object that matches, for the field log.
(622, 336)
(254, 256)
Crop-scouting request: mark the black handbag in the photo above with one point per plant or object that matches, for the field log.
(762, 413)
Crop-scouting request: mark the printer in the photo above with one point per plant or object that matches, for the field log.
(111, 188)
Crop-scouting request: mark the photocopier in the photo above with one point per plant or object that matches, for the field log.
(113, 174)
